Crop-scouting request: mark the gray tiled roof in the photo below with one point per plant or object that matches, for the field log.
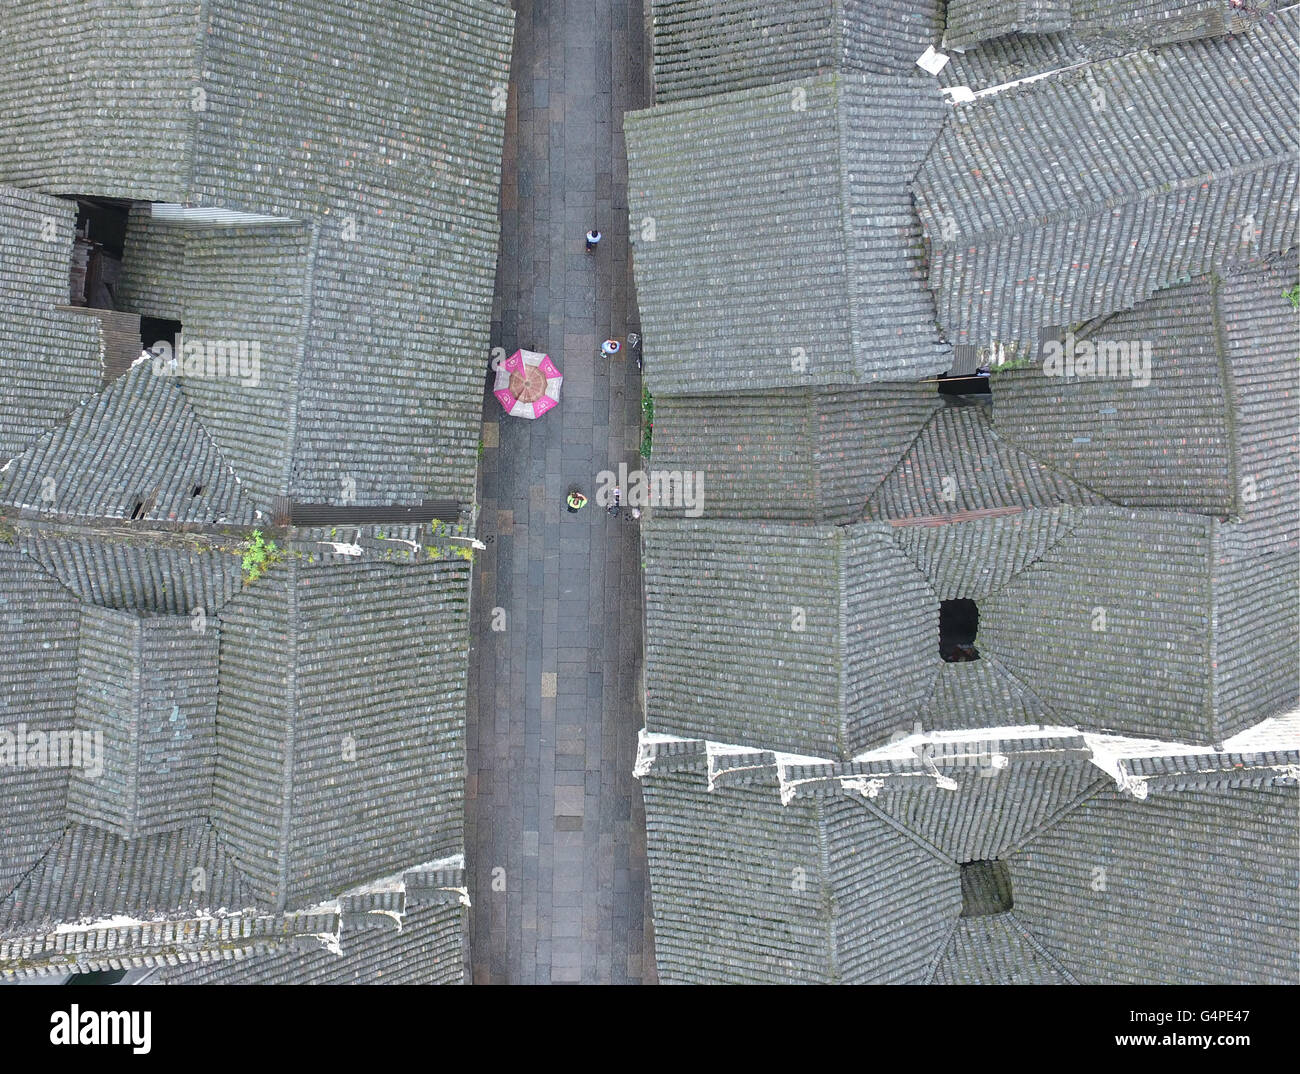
(1096, 30)
(91, 873)
(971, 21)
(387, 152)
(837, 637)
(246, 285)
(992, 812)
(1159, 22)
(861, 883)
(1016, 227)
(1209, 860)
(823, 639)
(142, 576)
(1147, 22)
(995, 950)
(979, 693)
(348, 674)
(1007, 59)
(49, 359)
(704, 47)
(76, 75)
(405, 928)
(148, 684)
(135, 451)
(1214, 431)
(959, 463)
(1260, 338)
(1252, 644)
(356, 764)
(39, 622)
(981, 555)
(785, 246)
(793, 455)
(1135, 624)
(340, 745)
(703, 931)
(429, 949)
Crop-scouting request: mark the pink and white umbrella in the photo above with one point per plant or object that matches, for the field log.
(528, 384)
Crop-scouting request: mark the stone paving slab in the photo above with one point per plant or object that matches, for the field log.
(555, 830)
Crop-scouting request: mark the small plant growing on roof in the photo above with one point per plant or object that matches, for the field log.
(259, 555)
(647, 422)
(1293, 296)
(1010, 364)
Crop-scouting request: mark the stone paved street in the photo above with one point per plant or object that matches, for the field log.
(554, 817)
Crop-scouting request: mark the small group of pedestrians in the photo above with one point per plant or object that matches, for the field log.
(576, 499)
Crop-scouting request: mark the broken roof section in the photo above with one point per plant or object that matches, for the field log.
(1089, 215)
(778, 245)
(376, 143)
(1025, 856)
(703, 47)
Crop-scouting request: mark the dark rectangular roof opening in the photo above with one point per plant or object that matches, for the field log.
(965, 377)
(974, 384)
(985, 888)
(959, 622)
(154, 330)
(97, 252)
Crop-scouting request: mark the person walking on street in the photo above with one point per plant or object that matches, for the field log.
(593, 239)
(575, 501)
(610, 348)
(617, 502)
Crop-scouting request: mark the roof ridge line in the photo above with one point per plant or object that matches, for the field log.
(811, 411)
(1052, 819)
(1092, 210)
(1211, 708)
(911, 446)
(845, 229)
(940, 951)
(824, 861)
(1229, 386)
(132, 818)
(905, 830)
(290, 746)
(223, 848)
(8, 895)
(999, 668)
(295, 389)
(841, 639)
(1070, 479)
(1038, 947)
